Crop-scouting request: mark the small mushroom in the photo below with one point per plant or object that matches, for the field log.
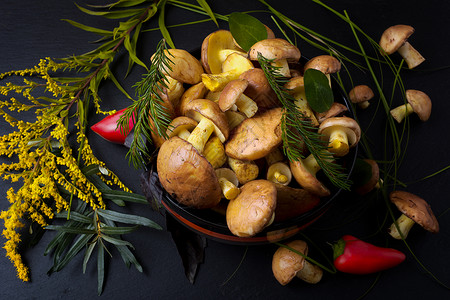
(245, 170)
(336, 110)
(292, 202)
(228, 183)
(181, 127)
(280, 50)
(342, 133)
(274, 156)
(360, 95)
(255, 137)
(259, 89)
(414, 210)
(366, 177)
(296, 87)
(326, 64)
(233, 94)
(214, 152)
(279, 172)
(210, 119)
(395, 38)
(287, 264)
(186, 175)
(253, 210)
(418, 102)
(304, 172)
(196, 91)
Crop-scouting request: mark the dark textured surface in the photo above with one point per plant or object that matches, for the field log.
(30, 30)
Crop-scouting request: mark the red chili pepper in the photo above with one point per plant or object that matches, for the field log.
(351, 255)
(109, 130)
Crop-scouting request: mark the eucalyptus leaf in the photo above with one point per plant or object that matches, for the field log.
(246, 30)
(127, 218)
(132, 53)
(317, 90)
(116, 14)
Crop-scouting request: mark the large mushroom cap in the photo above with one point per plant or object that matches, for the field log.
(416, 209)
(394, 37)
(197, 91)
(259, 89)
(253, 209)
(179, 124)
(286, 264)
(275, 49)
(420, 102)
(292, 202)
(308, 180)
(186, 175)
(256, 137)
(327, 64)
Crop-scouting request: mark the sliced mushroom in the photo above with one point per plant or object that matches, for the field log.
(253, 210)
(418, 102)
(228, 183)
(287, 264)
(292, 202)
(395, 38)
(304, 172)
(360, 95)
(186, 175)
(414, 210)
(342, 134)
(233, 94)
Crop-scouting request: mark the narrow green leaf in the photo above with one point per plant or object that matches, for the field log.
(73, 251)
(70, 229)
(116, 14)
(87, 255)
(118, 85)
(127, 218)
(317, 90)
(75, 216)
(128, 257)
(116, 241)
(89, 28)
(208, 10)
(132, 52)
(133, 43)
(118, 230)
(246, 30)
(122, 195)
(162, 25)
(100, 268)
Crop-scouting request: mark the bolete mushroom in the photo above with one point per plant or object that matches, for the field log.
(292, 202)
(234, 118)
(304, 172)
(296, 87)
(395, 38)
(336, 110)
(253, 210)
(233, 94)
(214, 152)
(326, 64)
(279, 172)
(245, 170)
(279, 50)
(287, 264)
(194, 92)
(210, 119)
(414, 210)
(186, 175)
(360, 95)
(418, 102)
(181, 127)
(365, 176)
(259, 89)
(342, 133)
(255, 137)
(228, 183)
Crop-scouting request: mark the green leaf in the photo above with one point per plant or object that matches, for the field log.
(75, 216)
(73, 251)
(162, 25)
(246, 30)
(70, 229)
(128, 257)
(362, 172)
(208, 10)
(132, 51)
(116, 14)
(87, 255)
(118, 230)
(115, 241)
(89, 28)
(122, 195)
(317, 90)
(127, 218)
(100, 268)
(118, 85)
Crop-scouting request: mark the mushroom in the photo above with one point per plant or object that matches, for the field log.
(186, 175)
(253, 210)
(196, 91)
(326, 64)
(181, 127)
(215, 49)
(274, 156)
(292, 202)
(304, 172)
(210, 119)
(414, 210)
(287, 264)
(296, 87)
(259, 89)
(360, 95)
(279, 50)
(245, 170)
(228, 183)
(182, 66)
(366, 177)
(234, 118)
(174, 89)
(255, 137)
(337, 109)
(418, 102)
(395, 38)
(233, 94)
(342, 133)
(214, 152)
(279, 172)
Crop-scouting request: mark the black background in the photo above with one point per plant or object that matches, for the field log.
(30, 30)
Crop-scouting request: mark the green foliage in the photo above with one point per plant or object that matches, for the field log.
(318, 91)
(246, 30)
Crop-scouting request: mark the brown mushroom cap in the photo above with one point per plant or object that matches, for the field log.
(308, 180)
(275, 49)
(253, 209)
(292, 202)
(255, 137)
(186, 175)
(259, 89)
(197, 91)
(232, 91)
(360, 93)
(394, 37)
(203, 108)
(352, 128)
(179, 124)
(212, 45)
(183, 66)
(416, 209)
(286, 264)
(420, 102)
(327, 64)
(373, 180)
(337, 109)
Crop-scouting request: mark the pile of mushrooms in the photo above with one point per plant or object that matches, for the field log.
(224, 143)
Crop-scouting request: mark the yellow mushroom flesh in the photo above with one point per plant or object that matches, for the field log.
(404, 224)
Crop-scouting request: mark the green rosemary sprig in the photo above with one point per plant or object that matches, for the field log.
(297, 130)
(148, 111)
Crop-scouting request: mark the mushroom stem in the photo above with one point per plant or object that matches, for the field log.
(402, 111)
(201, 133)
(311, 164)
(184, 134)
(229, 190)
(214, 152)
(281, 178)
(411, 56)
(246, 105)
(283, 67)
(404, 224)
(338, 141)
(234, 118)
(310, 273)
